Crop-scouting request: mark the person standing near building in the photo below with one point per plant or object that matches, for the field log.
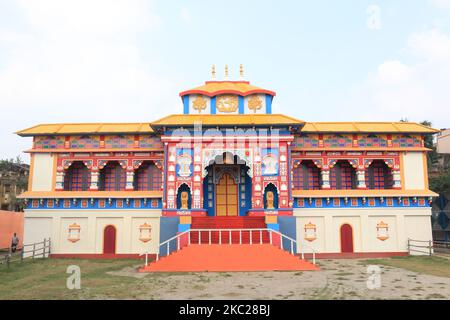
(14, 242)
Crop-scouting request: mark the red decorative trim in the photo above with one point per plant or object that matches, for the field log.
(355, 255)
(101, 256)
(214, 93)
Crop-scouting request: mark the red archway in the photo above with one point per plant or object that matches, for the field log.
(346, 238)
(109, 240)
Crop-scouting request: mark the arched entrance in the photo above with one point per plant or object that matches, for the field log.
(346, 238)
(227, 186)
(109, 240)
(227, 196)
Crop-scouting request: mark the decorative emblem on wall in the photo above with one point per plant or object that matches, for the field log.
(254, 103)
(310, 232)
(74, 232)
(270, 164)
(227, 103)
(145, 231)
(382, 231)
(199, 104)
(184, 162)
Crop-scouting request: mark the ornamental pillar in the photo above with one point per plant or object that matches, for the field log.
(94, 179)
(396, 176)
(361, 179)
(60, 180)
(325, 178)
(130, 179)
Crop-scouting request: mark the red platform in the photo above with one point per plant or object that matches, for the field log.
(234, 257)
(229, 223)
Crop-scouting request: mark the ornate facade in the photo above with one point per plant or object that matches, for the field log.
(353, 187)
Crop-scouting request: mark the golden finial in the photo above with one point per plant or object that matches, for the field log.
(241, 71)
(213, 71)
(226, 71)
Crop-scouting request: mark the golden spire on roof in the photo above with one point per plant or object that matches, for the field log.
(241, 71)
(213, 71)
(226, 72)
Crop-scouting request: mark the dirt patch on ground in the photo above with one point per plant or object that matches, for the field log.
(338, 279)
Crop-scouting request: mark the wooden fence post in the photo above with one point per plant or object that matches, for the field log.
(49, 246)
(430, 243)
(409, 248)
(34, 249)
(45, 247)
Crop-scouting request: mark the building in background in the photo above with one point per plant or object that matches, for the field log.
(441, 170)
(13, 181)
(228, 161)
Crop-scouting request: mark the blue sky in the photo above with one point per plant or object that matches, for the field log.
(127, 60)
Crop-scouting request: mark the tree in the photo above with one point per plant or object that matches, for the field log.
(441, 183)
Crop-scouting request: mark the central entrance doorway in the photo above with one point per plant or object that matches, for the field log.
(227, 187)
(227, 196)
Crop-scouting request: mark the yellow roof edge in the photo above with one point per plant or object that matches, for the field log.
(356, 129)
(159, 121)
(25, 132)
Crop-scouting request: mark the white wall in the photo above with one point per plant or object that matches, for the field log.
(54, 224)
(403, 223)
(413, 170)
(42, 172)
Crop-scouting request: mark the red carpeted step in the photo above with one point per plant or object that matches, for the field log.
(222, 258)
(229, 223)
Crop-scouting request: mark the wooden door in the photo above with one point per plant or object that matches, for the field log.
(109, 240)
(346, 238)
(226, 196)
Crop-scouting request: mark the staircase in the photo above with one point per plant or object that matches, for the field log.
(229, 236)
(234, 257)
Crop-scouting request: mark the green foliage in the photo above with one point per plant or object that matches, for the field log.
(441, 183)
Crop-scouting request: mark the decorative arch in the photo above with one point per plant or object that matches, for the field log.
(184, 188)
(379, 175)
(147, 177)
(210, 156)
(352, 162)
(389, 162)
(343, 175)
(271, 188)
(112, 176)
(306, 176)
(77, 177)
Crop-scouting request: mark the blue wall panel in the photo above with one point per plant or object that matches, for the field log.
(168, 229)
(288, 228)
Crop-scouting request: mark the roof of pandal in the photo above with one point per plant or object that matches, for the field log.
(225, 120)
(213, 88)
(368, 127)
(84, 128)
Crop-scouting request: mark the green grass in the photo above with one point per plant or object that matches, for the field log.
(46, 279)
(421, 264)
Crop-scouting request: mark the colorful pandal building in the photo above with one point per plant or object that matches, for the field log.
(229, 162)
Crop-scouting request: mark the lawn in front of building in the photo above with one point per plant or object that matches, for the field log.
(401, 278)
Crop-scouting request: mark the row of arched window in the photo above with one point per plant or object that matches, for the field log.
(342, 176)
(148, 177)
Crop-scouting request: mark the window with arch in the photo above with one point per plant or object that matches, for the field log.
(343, 176)
(306, 176)
(112, 177)
(148, 177)
(77, 177)
(379, 175)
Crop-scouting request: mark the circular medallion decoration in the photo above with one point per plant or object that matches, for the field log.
(227, 103)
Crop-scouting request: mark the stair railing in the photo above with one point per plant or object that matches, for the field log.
(291, 247)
